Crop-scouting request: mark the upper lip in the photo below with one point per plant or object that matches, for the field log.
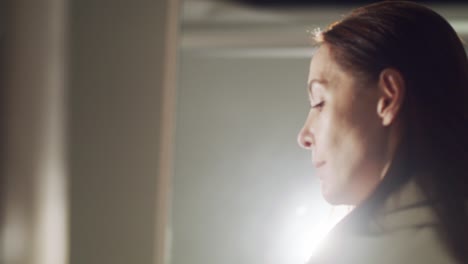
(318, 164)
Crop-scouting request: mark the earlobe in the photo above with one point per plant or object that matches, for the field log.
(392, 90)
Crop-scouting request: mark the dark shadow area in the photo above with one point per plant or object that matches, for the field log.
(331, 3)
(3, 115)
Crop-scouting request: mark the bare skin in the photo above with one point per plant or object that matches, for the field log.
(352, 128)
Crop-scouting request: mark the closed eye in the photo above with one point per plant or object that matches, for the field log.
(318, 105)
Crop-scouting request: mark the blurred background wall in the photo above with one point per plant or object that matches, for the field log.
(89, 95)
(34, 221)
(120, 104)
(91, 113)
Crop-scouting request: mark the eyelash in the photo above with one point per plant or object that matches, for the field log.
(318, 106)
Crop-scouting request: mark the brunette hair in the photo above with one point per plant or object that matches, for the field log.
(426, 50)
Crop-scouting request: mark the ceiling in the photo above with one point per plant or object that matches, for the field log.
(220, 25)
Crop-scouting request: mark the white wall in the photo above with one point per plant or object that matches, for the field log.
(240, 176)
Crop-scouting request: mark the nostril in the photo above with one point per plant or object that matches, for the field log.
(305, 141)
(305, 138)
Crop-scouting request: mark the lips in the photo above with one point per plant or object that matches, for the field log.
(318, 164)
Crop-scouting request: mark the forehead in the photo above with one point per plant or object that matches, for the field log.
(323, 66)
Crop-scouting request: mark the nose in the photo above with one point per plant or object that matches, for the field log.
(305, 138)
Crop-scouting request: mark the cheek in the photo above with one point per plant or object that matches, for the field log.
(341, 144)
(334, 130)
(350, 142)
(343, 151)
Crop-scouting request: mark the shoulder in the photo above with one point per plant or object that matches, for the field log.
(413, 245)
(405, 230)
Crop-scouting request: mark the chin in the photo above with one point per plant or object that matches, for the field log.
(333, 196)
(332, 200)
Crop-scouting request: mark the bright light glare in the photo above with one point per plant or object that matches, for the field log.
(301, 210)
(305, 231)
(336, 214)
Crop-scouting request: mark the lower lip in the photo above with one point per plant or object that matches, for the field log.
(320, 164)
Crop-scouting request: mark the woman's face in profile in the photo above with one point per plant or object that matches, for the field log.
(343, 131)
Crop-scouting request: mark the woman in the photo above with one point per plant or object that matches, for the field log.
(388, 131)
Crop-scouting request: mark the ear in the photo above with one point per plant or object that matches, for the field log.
(392, 91)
